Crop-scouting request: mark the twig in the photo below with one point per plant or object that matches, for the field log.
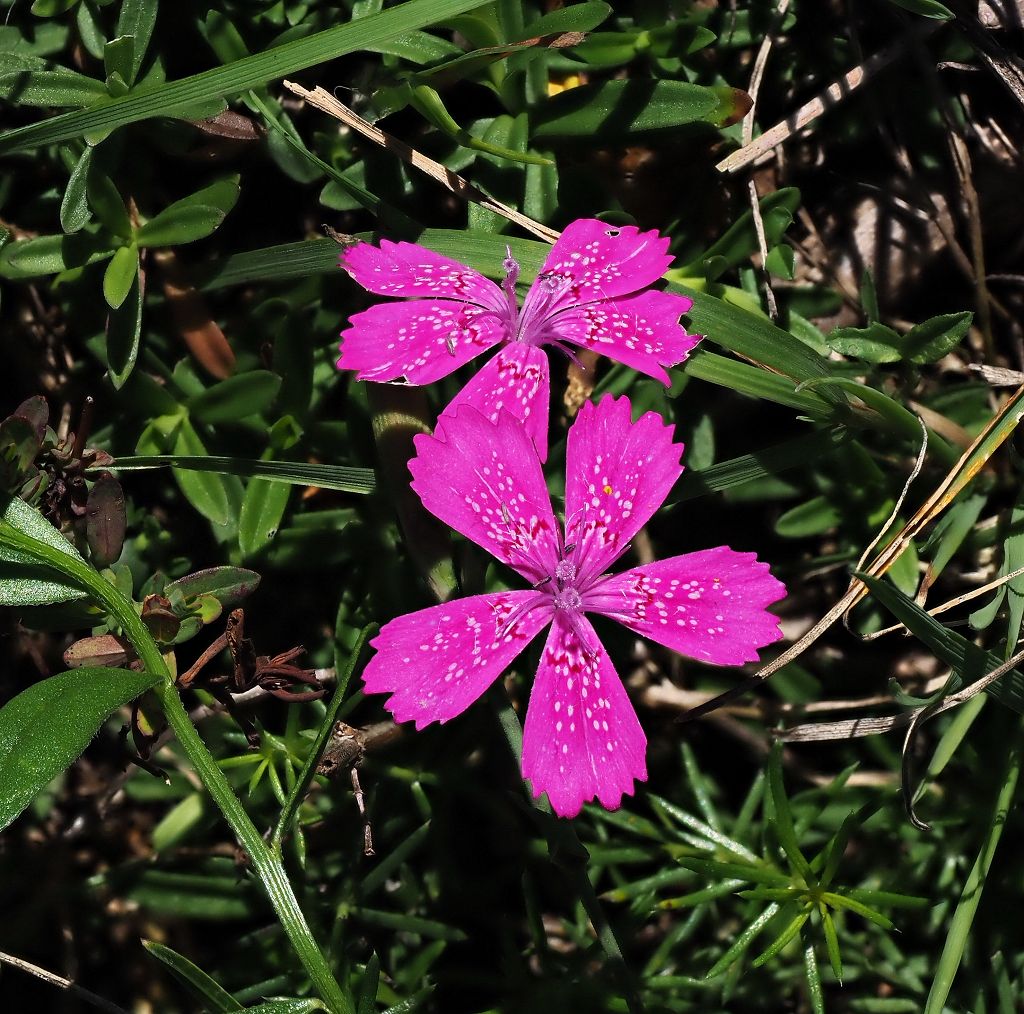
(754, 88)
(859, 727)
(459, 186)
(831, 96)
(61, 983)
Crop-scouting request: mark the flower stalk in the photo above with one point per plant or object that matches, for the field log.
(266, 861)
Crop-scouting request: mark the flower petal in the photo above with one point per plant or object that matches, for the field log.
(517, 380)
(484, 480)
(617, 475)
(642, 331)
(421, 341)
(710, 605)
(408, 269)
(435, 663)
(582, 737)
(595, 260)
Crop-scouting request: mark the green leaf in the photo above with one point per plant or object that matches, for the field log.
(297, 1006)
(781, 261)
(176, 96)
(108, 204)
(937, 337)
(176, 225)
(74, 208)
(296, 473)
(120, 275)
(580, 17)
(617, 109)
(813, 977)
(23, 581)
(213, 996)
(136, 19)
(783, 820)
(47, 726)
(203, 896)
(875, 343)
(926, 8)
(32, 81)
(51, 8)
(205, 490)
(119, 58)
(769, 461)
(228, 585)
(124, 331)
(740, 240)
(742, 941)
(235, 398)
(48, 255)
(262, 509)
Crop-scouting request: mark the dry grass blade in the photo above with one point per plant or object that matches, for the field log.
(831, 96)
(950, 604)
(459, 186)
(966, 468)
(61, 983)
(856, 728)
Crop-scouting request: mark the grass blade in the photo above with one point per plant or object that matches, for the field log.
(250, 72)
(297, 473)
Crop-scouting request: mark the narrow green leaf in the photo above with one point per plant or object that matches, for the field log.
(926, 8)
(235, 398)
(47, 255)
(120, 275)
(935, 338)
(742, 942)
(262, 509)
(47, 726)
(205, 490)
(124, 332)
(108, 204)
(74, 208)
(297, 473)
(828, 925)
(176, 96)
(208, 992)
(228, 585)
(970, 898)
(784, 827)
(23, 582)
(136, 18)
(789, 932)
(177, 225)
(297, 1006)
(580, 17)
(617, 109)
(740, 240)
(875, 343)
(813, 977)
(32, 81)
(119, 58)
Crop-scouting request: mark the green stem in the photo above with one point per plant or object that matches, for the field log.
(266, 862)
(963, 917)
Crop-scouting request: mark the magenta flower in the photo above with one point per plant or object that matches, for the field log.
(484, 479)
(588, 295)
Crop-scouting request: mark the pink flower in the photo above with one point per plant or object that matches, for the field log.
(484, 479)
(588, 295)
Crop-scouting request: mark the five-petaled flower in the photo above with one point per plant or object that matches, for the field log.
(484, 479)
(592, 292)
